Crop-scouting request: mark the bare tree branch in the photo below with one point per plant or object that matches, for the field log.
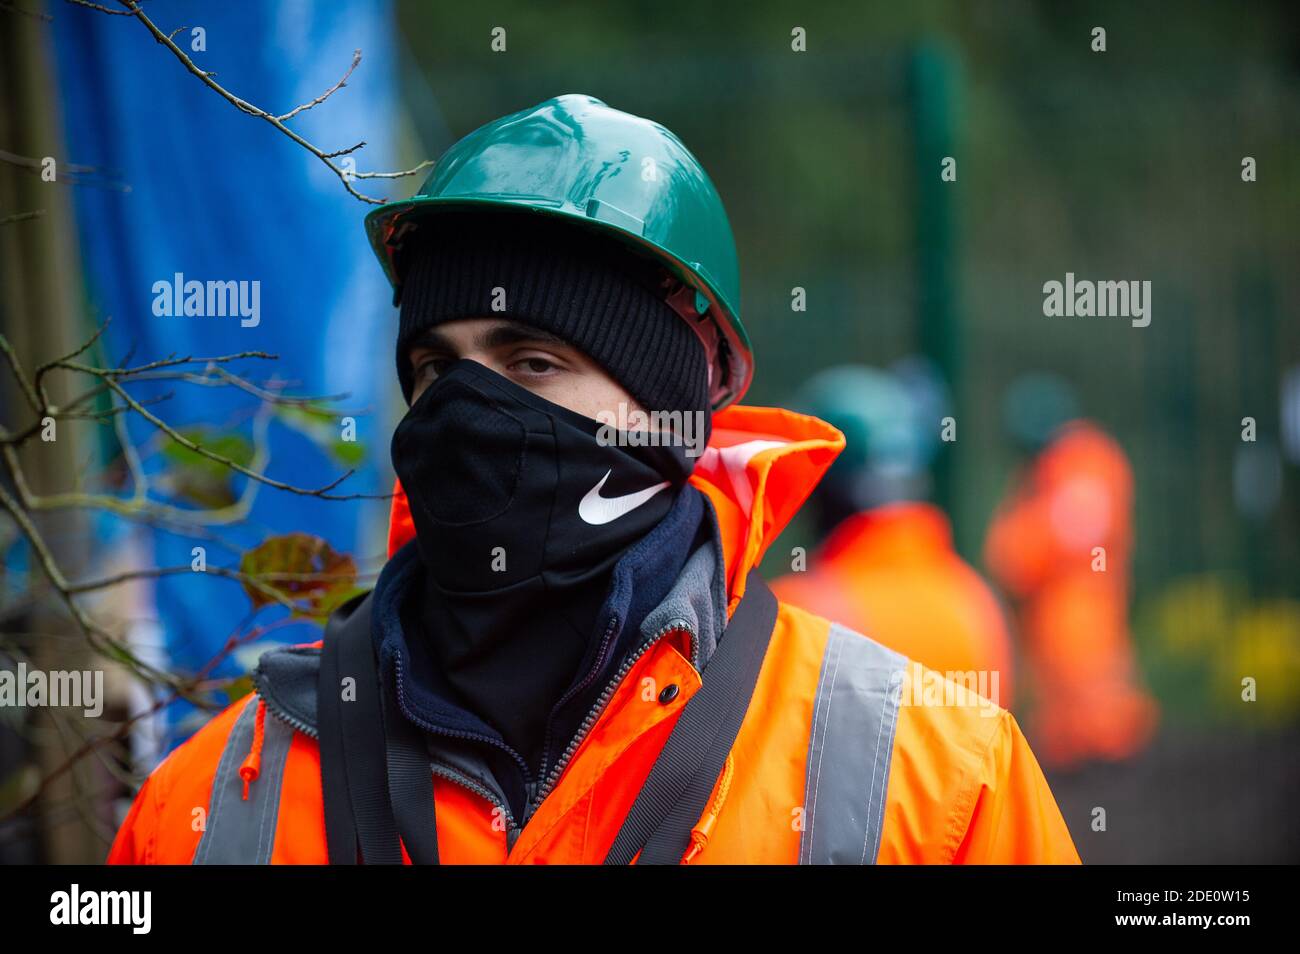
(71, 172)
(356, 59)
(21, 376)
(101, 8)
(108, 401)
(100, 639)
(22, 216)
(221, 571)
(202, 451)
(278, 121)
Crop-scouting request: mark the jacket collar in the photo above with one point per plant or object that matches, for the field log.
(759, 467)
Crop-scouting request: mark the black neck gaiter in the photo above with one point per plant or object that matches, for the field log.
(520, 512)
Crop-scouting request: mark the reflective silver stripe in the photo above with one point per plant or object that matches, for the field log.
(852, 739)
(240, 832)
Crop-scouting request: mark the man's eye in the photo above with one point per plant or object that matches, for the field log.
(535, 365)
(430, 368)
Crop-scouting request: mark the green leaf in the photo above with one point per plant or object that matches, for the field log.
(199, 479)
(236, 689)
(321, 577)
(321, 425)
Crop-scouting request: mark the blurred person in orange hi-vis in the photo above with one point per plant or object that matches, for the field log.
(1060, 543)
(886, 565)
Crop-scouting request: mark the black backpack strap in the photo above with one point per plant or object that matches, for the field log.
(677, 789)
(410, 782)
(354, 780)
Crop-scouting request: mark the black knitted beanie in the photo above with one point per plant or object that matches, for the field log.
(603, 299)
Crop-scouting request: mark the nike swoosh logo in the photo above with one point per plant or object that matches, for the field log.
(595, 509)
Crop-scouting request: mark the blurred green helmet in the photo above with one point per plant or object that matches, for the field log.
(887, 428)
(1035, 405)
(577, 160)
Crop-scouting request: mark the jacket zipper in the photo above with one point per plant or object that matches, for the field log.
(537, 791)
(465, 781)
(550, 719)
(454, 733)
(452, 775)
(293, 721)
(676, 625)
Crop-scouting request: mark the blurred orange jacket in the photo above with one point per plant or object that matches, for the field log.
(1061, 543)
(892, 573)
(847, 753)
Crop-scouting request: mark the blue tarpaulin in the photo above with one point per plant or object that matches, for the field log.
(220, 196)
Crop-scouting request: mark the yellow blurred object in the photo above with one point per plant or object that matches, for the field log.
(1193, 614)
(1265, 646)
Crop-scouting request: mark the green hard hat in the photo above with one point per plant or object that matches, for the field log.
(886, 426)
(577, 160)
(1034, 407)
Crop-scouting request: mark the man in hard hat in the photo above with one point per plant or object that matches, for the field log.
(569, 657)
(1061, 543)
(886, 566)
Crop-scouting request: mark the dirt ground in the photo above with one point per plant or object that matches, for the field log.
(1201, 797)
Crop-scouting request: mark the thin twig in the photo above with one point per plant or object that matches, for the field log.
(226, 572)
(356, 59)
(100, 639)
(22, 216)
(101, 8)
(44, 369)
(278, 121)
(192, 686)
(30, 162)
(167, 362)
(69, 172)
(21, 375)
(185, 442)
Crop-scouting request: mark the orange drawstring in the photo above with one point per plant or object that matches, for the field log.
(253, 763)
(700, 833)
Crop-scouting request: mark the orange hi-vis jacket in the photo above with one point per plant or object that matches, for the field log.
(1061, 543)
(847, 753)
(892, 573)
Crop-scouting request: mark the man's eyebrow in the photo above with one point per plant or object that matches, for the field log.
(498, 336)
(512, 333)
(433, 340)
